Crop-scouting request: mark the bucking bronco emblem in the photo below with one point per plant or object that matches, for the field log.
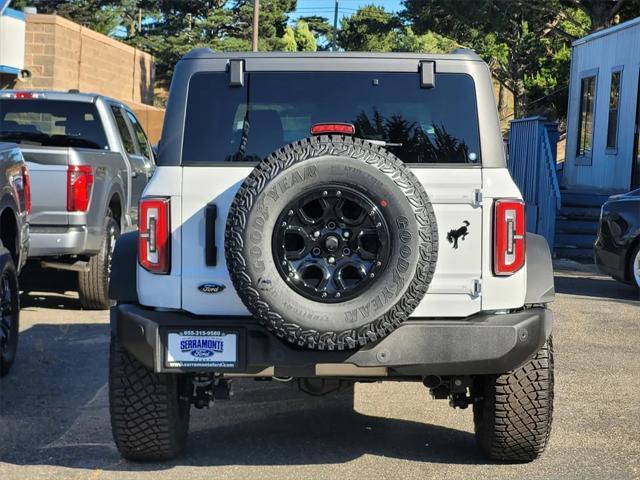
(459, 233)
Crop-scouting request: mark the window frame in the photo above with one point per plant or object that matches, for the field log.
(246, 85)
(136, 148)
(583, 158)
(133, 121)
(617, 69)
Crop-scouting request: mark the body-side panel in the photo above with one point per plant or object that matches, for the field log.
(498, 293)
(165, 290)
(452, 192)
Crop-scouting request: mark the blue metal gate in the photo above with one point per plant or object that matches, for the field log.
(532, 164)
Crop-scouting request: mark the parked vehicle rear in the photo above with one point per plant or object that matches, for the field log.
(332, 218)
(89, 161)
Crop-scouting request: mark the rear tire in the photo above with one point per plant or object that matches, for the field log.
(513, 419)
(9, 311)
(93, 286)
(634, 267)
(149, 411)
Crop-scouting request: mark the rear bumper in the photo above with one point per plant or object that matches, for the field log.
(50, 241)
(610, 260)
(482, 344)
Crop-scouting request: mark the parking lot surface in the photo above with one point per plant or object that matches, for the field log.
(54, 420)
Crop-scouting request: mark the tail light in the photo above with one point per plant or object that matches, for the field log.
(154, 245)
(26, 188)
(509, 236)
(79, 184)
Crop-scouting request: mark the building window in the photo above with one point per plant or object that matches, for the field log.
(587, 104)
(614, 101)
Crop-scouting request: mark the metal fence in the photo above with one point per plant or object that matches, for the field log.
(532, 164)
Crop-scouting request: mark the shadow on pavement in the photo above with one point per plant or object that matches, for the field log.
(54, 411)
(48, 288)
(595, 286)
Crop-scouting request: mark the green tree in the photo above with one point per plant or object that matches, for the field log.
(289, 43)
(603, 13)
(304, 38)
(321, 28)
(370, 29)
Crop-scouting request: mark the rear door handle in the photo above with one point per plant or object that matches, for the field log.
(210, 249)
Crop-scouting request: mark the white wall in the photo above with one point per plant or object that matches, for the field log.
(12, 28)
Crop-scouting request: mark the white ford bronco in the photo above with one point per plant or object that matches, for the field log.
(331, 218)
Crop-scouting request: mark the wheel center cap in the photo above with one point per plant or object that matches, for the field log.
(332, 243)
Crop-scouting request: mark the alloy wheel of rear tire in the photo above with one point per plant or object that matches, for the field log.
(93, 286)
(514, 414)
(9, 311)
(149, 411)
(331, 242)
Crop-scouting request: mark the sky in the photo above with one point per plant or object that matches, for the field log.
(326, 8)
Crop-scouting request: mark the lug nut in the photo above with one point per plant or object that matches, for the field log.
(316, 234)
(284, 224)
(338, 295)
(290, 212)
(325, 193)
(371, 275)
(346, 234)
(316, 251)
(346, 251)
(338, 193)
(331, 260)
(324, 294)
(331, 225)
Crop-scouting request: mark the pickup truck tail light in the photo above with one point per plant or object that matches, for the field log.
(154, 245)
(79, 185)
(26, 188)
(509, 236)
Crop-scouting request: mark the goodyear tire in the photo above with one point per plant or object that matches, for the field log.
(367, 238)
(513, 418)
(149, 411)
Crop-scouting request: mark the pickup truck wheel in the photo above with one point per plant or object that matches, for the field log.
(149, 411)
(93, 286)
(331, 242)
(513, 418)
(9, 311)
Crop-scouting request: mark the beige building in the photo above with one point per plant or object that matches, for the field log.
(62, 55)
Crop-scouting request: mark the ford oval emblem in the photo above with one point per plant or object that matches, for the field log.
(211, 288)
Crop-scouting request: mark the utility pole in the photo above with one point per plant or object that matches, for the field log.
(256, 21)
(335, 28)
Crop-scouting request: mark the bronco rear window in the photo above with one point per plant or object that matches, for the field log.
(51, 123)
(419, 125)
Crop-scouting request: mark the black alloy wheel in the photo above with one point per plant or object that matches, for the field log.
(331, 243)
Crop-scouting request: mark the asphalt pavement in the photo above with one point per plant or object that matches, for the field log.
(54, 420)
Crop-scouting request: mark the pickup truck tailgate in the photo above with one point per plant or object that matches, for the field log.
(48, 173)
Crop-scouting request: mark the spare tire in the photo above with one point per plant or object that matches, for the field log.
(331, 242)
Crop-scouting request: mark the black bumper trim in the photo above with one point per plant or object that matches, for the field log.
(482, 344)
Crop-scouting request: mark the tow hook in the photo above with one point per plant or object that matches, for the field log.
(208, 388)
